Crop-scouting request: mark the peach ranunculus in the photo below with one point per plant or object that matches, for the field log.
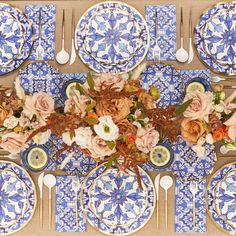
(201, 106)
(192, 130)
(77, 104)
(108, 80)
(4, 114)
(149, 140)
(40, 104)
(13, 142)
(99, 148)
(126, 128)
(147, 100)
(118, 109)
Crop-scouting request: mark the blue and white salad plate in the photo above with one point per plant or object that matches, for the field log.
(221, 192)
(27, 30)
(215, 38)
(112, 37)
(113, 202)
(16, 187)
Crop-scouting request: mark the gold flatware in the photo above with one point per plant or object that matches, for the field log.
(75, 187)
(40, 185)
(73, 53)
(39, 49)
(156, 49)
(190, 50)
(156, 184)
(193, 189)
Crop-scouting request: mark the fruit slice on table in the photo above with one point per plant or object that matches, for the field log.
(193, 86)
(37, 159)
(71, 89)
(160, 156)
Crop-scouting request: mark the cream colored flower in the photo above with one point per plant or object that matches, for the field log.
(11, 122)
(83, 136)
(42, 137)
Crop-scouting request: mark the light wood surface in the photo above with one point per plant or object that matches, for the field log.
(34, 228)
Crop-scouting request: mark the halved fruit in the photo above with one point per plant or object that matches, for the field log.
(160, 156)
(71, 89)
(193, 86)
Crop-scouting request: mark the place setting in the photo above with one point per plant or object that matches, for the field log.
(137, 141)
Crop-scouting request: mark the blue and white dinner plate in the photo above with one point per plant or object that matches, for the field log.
(113, 202)
(112, 37)
(167, 79)
(12, 38)
(40, 76)
(219, 38)
(9, 201)
(187, 165)
(28, 38)
(219, 220)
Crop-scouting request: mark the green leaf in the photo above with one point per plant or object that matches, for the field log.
(90, 106)
(71, 135)
(234, 100)
(80, 88)
(183, 107)
(141, 122)
(110, 144)
(111, 160)
(90, 80)
(34, 118)
(91, 120)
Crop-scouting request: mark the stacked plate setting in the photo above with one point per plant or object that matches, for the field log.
(112, 37)
(16, 38)
(215, 38)
(17, 197)
(221, 194)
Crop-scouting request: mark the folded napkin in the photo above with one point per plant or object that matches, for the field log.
(48, 13)
(167, 30)
(184, 207)
(65, 206)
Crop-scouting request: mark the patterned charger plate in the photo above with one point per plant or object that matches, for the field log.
(113, 203)
(115, 34)
(218, 176)
(8, 200)
(225, 203)
(187, 165)
(28, 38)
(217, 43)
(219, 37)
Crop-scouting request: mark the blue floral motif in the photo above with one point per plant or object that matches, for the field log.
(11, 38)
(30, 189)
(96, 64)
(102, 223)
(117, 200)
(48, 13)
(40, 76)
(211, 195)
(167, 30)
(28, 39)
(167, 80)
(184, 207)
(65, 206)
(187, 165)
(200, 37)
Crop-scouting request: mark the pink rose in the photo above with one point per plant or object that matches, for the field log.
(201, 106)
(40, 104)
(116, 82)
(77, 104)
(13, 142)
(99, 148)
(146, 142)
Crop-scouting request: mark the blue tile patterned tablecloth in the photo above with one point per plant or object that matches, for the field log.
(167, 30)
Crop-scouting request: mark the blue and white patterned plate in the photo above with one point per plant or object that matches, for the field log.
(227, 34)
(28, 36)
(225, 203)
(218, 176)
(167, 30)
(48, 12)
(101, 38)
(12, 38)
(187, 165)
(167, 79)
(219, 37)
(65, 206)
(14, 196)
(40, 76)
(26, 179)
(122, 197)
(184, 207)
